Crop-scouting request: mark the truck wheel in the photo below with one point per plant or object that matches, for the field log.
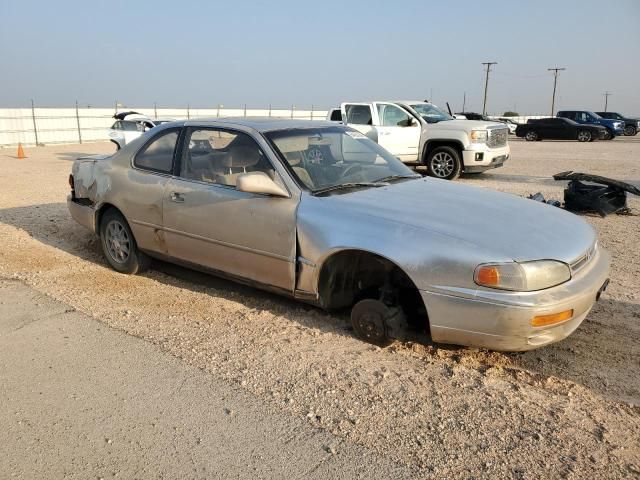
(119, 246)
(630, 131)
(444, 162)
(584, 136)
(531, 136)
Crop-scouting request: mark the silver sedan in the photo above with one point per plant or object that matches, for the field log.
(319, 212)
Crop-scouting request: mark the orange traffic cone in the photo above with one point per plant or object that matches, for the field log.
(21, 152)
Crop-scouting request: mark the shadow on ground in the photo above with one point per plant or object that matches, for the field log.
(602, 354)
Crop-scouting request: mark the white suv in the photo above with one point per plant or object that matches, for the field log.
(130, 125)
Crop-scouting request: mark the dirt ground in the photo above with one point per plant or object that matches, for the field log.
(569, 410)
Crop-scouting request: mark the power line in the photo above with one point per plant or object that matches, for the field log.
(555, 82)
(486, 85)
(606, 99)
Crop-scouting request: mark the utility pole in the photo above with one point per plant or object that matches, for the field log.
(555, 81)
(486, 85)
(606, 99)
(464, 101)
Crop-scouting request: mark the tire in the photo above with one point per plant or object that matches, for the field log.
(531, 136)
(608, 135)
(369, 321)
(119, 246)
(630, 131)
(584, 136)
(444, 163)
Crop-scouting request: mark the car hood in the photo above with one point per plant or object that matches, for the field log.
(501, 223)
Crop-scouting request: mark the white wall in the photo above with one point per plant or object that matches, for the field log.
(60, 125)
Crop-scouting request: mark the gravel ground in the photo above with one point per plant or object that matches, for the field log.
(569, 410)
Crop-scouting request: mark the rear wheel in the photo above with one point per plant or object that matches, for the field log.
(119, 246)
(444, 162)
(630, 130)
(531, 136)
(584, 136)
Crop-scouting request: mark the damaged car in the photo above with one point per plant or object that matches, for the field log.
(319, 212)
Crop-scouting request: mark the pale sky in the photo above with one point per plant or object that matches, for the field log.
(206, 53)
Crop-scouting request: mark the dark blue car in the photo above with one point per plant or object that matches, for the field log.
(614, 127)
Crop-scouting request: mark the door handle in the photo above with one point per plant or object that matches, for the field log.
(176, 197)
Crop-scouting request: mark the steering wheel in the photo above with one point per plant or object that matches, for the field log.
(350, 169)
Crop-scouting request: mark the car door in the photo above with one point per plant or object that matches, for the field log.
(360, 117)
(398, 131)
(565, 130)
(209, 223)
(141, 191)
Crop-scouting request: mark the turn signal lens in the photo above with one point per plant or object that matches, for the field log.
(488, 275)
(544, 320)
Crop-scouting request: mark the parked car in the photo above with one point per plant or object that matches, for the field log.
(559, 129)
(631, 125)
(130, 125)
(318, 212)
(584, 117)
(511, 125)
(419, 133)
(473, 116)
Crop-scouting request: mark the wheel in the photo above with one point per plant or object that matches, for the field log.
(630, 130)
(119, 246)
(608, 135)
(369, 320)
(444, 162)
(584, 136)
(531, 136)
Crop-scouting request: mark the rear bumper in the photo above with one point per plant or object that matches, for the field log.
(83, 214)
(500, 320)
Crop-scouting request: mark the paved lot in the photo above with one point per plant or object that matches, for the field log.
(82, 400)
(570, 410)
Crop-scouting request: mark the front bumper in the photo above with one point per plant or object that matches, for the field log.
(478, 158)
(500, 320)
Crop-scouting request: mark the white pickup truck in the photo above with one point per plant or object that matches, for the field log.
(419, 133)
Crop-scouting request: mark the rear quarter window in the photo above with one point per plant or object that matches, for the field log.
(158, 155)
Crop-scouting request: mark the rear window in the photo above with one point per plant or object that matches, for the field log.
(158, 155)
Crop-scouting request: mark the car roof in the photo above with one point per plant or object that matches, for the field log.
(261, 124)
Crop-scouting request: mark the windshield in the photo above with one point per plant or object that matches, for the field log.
(333, 157)
(430, 113)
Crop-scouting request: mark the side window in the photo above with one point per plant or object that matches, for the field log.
(129, 126)
(336, 115)
(392, 116)
(158, 155)
(116, 126)
(359, 114)
(221, 156)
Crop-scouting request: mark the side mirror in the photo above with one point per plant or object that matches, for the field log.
(259, 182)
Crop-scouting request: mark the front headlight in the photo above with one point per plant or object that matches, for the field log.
(522, 277)
(478, 136)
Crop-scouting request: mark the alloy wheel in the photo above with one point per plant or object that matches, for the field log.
(117, 241)
(442, 164)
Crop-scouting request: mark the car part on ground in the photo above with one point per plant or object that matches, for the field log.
(602, 195)
(319, 212)
(538, 197)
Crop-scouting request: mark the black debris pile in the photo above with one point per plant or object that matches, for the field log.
(601, 194)
(538, 197)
